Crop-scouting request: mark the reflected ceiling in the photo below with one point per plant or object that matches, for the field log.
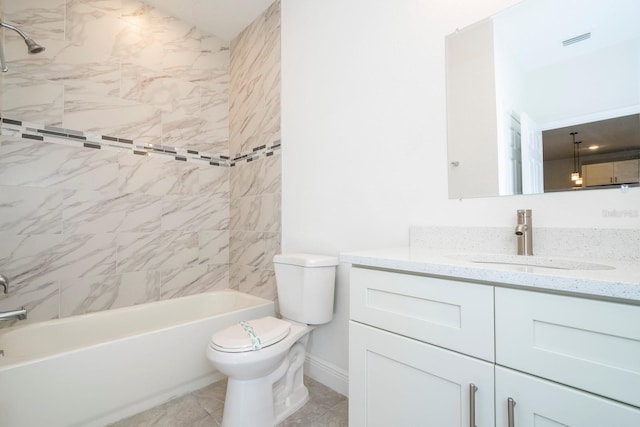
(532, 48)
(613, 135)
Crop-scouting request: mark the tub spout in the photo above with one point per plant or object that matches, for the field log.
(20, 314)
(4, 282)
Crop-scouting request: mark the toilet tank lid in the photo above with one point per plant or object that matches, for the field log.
(306, 260)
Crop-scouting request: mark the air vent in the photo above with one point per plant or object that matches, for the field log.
(576, 39)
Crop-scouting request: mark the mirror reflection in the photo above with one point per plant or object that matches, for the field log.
(524, 84)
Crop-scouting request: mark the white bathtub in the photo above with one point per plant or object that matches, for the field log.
(97, 368)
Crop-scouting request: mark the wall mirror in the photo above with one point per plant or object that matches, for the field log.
(543, 97)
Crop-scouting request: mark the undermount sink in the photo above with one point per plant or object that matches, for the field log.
(531, 261)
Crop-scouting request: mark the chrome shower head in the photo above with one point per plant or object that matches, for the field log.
(33, 47)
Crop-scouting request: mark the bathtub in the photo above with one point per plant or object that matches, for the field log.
(97, 368)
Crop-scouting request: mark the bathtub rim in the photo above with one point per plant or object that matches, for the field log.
(8, 362)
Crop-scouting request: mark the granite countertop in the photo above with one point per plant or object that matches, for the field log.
(590, 277)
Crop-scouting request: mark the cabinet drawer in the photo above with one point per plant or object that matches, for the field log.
(588, 344)
(446, 313)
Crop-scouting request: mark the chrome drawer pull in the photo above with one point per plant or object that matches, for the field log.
(510, 412)
(472, 405)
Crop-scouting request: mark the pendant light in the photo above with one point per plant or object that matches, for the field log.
(575, 175)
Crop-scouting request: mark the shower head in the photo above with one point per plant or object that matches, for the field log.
(32, 46)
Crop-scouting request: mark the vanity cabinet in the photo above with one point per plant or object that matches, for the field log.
(622, 172)
(422, 354)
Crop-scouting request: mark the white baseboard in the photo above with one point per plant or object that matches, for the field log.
(327, 373)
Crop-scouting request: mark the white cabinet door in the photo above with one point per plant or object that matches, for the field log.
(398, 381)
(542, 403)
(598, 174)
(626, 171)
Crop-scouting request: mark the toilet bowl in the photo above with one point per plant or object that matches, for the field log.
(263, 358)
(264, 386)
(245, 362)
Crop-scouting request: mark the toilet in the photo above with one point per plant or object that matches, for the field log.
(263, 358)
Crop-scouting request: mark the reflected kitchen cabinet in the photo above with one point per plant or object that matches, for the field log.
(623, 172)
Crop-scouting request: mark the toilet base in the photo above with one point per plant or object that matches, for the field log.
(249, 403)
(252, 404)
(267, 401)
(296, 401)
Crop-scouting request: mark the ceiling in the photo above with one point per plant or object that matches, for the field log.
(223, 18)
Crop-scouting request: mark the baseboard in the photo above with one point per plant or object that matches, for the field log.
(327, 373)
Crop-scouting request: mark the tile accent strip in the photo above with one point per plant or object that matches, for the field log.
(56, 135)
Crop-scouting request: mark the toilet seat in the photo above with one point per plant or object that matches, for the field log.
(251, 335)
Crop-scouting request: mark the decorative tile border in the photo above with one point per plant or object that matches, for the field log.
(57, 135)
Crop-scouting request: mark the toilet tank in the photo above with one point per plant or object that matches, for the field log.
(306, 285)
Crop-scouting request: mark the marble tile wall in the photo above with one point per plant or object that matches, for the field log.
(87, 229)
(91, 229)
(254, 120)
(118, 67)
(255, 231)
(254, 89)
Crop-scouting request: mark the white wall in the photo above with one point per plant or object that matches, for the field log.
(364, 137)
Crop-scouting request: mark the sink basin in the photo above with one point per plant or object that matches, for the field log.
(531, 261)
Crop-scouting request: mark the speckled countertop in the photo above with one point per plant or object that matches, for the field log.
(590, 277)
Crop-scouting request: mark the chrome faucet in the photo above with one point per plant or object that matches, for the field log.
(4, 282)
(19, 314)
(524, 232)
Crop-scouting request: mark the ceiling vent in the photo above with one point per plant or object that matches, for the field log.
(576, 39)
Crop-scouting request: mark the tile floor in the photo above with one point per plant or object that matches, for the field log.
(203, 407)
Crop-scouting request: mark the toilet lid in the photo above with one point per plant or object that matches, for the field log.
(250, 335)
